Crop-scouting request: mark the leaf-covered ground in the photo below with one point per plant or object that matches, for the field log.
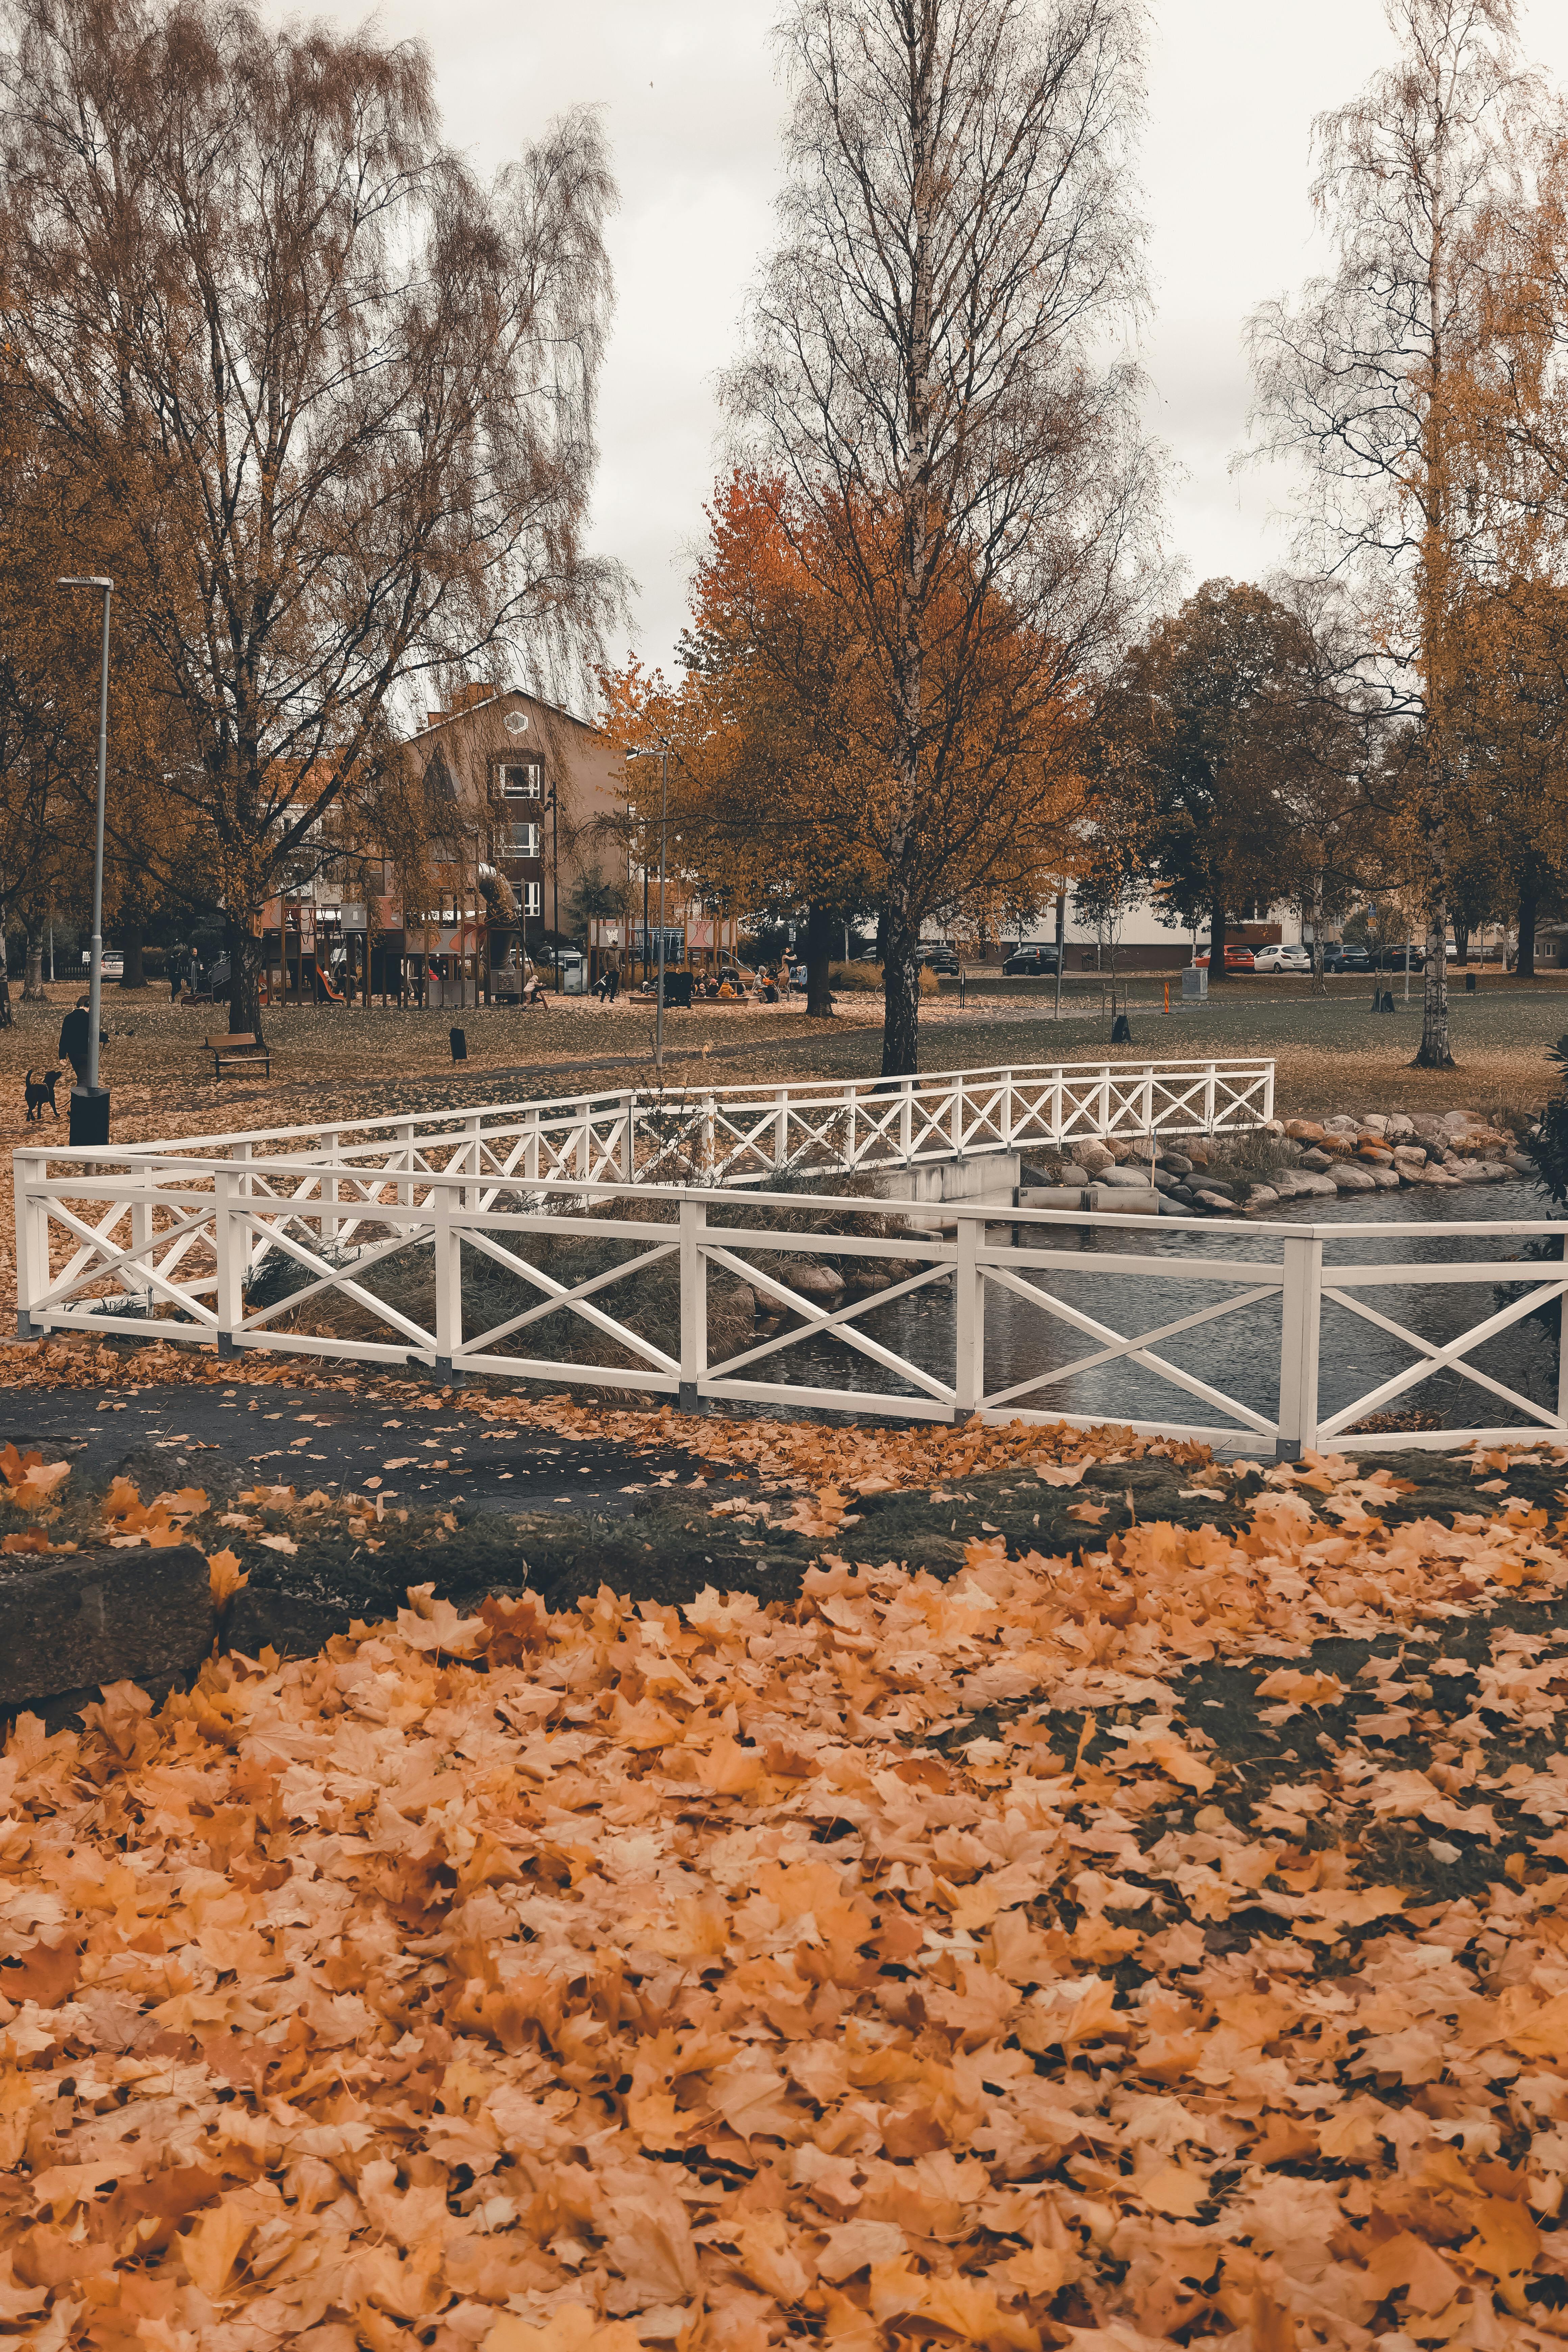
(1161, 1941)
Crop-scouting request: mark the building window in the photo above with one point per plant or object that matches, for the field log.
(523, 780)
(520, 840)
(532, 897)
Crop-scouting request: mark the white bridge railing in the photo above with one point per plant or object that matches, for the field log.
(753, 1135)
(613, 1286)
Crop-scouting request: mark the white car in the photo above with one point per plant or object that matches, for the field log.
(1282, 959)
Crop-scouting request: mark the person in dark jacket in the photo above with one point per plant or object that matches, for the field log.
(76, 1033)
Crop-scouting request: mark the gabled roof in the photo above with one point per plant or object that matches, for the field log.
(433, 726)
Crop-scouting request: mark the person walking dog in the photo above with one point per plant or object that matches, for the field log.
(75, 1035)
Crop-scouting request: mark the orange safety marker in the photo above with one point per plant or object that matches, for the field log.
(1167, 996)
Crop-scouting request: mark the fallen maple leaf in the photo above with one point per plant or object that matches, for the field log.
(225, 1575)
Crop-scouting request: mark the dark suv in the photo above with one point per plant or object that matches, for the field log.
(943, 961)
(1343, 955)
(1038, 963)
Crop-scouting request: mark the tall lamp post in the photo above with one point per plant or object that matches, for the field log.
(552, 811)
(89, 1104)
(662, 748)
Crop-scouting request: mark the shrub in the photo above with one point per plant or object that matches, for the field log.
(1547, 1143)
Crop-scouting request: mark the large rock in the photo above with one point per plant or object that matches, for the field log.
(258, 1618)
(1132, 1179)
(824, 1283)
(1348, 1178)
(1383, 1176)
(72, 1621)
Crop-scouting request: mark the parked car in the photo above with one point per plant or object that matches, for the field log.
(1282, 959)
(1343, 955)
(1397, 958)
(943, 961)
(1236, 959)
(1031, 963)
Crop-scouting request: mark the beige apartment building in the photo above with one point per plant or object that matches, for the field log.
(522, 802)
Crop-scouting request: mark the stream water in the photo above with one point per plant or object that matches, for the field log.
(1239, 1354)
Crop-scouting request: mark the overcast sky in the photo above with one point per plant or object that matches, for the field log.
(692, 108)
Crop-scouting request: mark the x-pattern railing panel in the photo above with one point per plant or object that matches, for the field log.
(1433, 1356)
(576, 1298)
(1136, 1349)
(342, 1282)
(838, 1323)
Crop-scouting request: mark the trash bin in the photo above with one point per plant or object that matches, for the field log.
(1195, 982)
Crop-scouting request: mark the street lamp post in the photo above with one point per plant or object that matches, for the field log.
(89, 1104)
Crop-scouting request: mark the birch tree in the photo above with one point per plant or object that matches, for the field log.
(924, 364)
(1369, 377)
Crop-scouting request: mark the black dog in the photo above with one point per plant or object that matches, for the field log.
(41, 1090)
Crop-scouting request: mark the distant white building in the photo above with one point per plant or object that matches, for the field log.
(1143, 942)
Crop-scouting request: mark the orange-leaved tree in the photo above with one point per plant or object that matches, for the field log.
(787, 775)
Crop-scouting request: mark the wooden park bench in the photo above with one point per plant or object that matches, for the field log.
(244, 1049)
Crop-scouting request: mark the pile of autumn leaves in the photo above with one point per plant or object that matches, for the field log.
(711, 1977)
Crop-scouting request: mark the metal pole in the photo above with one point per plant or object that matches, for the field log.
(95, 984)
(663, 827)
(555, 877)
(1061, 947)
(95, 976)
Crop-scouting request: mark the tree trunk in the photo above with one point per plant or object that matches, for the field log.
(1217, 941)
(1435, 1052)
(244, 979)
(32, 988)
(134, 936)
(5, 981)
(901, 996)
(1320, 982)
(1529, 904)
(818, 956)
(1461, 941)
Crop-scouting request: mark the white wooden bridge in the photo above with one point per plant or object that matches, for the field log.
(283, 1242)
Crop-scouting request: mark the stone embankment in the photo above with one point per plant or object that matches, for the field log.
(1292, 1159)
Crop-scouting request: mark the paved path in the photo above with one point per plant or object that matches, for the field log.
(198, 1436)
